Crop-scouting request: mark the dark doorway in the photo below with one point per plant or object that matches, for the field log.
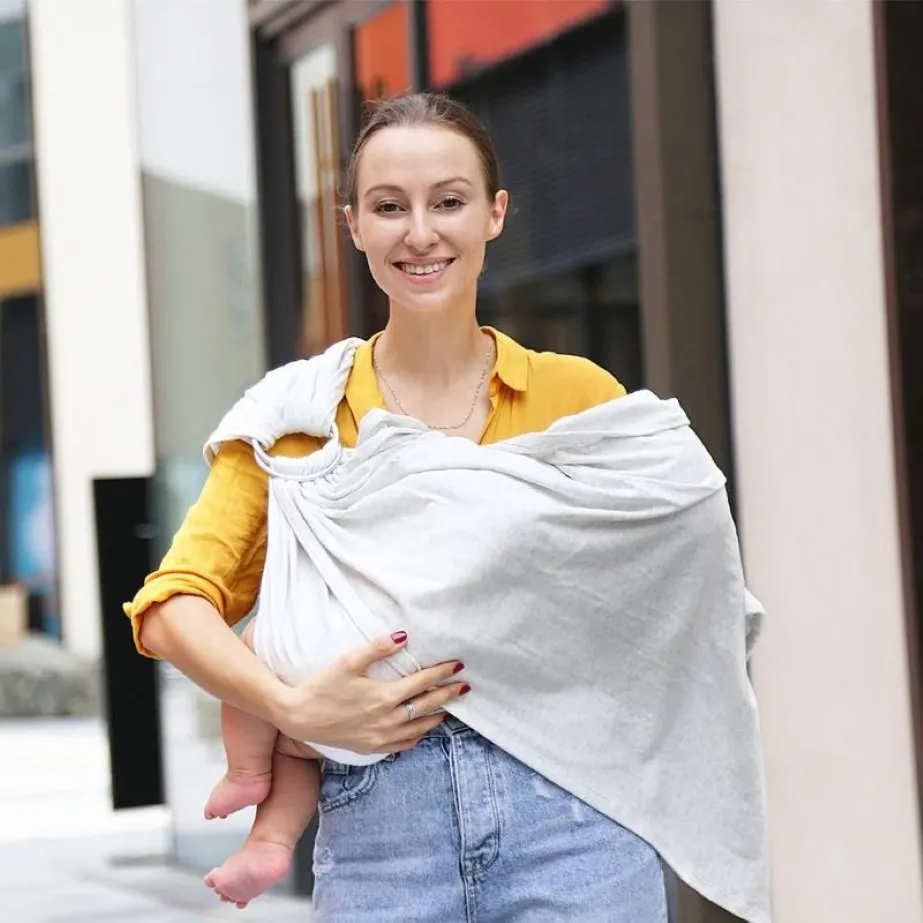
(899, 35)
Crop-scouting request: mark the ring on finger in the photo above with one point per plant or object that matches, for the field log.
(411, 709)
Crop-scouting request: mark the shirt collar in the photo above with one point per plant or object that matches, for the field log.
(363, 394)
(512, 361)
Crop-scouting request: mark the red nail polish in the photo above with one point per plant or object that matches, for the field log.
(465, 689)
(399, 637)
(458, 668)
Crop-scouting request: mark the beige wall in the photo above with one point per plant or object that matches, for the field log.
(812, 427)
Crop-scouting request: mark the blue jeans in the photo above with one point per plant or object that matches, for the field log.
(457, 831)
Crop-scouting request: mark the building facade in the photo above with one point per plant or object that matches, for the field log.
(27, 536)
(718, 201)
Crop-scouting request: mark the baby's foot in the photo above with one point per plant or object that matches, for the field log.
(256, 866)
(237, 790)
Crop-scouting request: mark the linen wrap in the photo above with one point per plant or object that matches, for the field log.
(589, 577)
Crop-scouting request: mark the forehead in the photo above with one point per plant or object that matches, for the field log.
(417, 156)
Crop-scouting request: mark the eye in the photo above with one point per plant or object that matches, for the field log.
(386, 208)
(451, 203)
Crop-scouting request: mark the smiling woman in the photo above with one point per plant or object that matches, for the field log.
(423, 201)
(408, 796)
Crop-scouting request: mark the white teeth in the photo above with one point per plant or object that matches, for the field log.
(415, 270)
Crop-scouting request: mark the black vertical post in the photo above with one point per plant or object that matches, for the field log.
(419, 46)
(123, 541)
(280, 221)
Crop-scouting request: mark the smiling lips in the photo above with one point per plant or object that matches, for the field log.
(424, 272)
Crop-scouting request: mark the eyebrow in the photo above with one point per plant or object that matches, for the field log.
(386, 187)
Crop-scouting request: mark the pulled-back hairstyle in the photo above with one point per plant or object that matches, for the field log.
(416, 109)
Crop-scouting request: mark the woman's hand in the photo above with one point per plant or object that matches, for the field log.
(342, 707)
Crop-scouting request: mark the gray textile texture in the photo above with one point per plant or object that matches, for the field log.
(589, 577)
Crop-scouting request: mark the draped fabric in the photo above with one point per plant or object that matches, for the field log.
(589, 577)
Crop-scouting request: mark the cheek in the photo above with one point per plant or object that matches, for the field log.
(472, 229)
(377, 240)
(379, 269)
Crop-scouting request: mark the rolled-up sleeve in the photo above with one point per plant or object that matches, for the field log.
(219, 551)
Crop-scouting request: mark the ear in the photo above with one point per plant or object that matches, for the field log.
(498, 214)
(353, 227)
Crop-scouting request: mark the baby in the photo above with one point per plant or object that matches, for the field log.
(280, 775)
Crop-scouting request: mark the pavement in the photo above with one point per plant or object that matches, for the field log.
(67, 857)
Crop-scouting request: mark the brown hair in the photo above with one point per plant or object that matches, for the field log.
(416, 109)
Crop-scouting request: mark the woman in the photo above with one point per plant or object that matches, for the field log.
(447, 826)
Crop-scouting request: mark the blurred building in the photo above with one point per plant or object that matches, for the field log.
(719, 201)
(27, 545)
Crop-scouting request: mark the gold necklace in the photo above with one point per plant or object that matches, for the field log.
(474, 400)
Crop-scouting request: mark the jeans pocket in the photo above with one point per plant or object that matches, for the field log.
(342, 784)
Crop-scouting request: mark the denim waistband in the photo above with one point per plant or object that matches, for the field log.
(450, 727)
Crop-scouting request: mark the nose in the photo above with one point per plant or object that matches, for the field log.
(421, 230)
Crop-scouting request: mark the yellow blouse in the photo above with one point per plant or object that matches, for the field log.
(219, 550)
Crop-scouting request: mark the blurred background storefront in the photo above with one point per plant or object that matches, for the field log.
(715, 200)
(27, 539)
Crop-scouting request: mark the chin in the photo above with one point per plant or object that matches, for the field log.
(441, 299)
(424, 303)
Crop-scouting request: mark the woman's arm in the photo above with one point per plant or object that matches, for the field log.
(340, 706)
(189, 632)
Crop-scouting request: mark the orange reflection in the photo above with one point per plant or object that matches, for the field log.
(467, 35)
(382, 51)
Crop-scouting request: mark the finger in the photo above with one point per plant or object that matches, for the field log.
(359, 660)
(409, 730)
(429, 702)
(400, 690)
(402, 746)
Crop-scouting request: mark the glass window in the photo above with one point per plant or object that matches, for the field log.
(15, 191)
(590, 311)
(27, 543)
(15, 147)
(382, 53)
(467, 35)
(14, 107)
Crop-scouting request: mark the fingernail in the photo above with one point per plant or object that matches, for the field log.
(399, 637)
(465, 689)
(458, 668)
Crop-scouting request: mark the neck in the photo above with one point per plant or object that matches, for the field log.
(432, 349)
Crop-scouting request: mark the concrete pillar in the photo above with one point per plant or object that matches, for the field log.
(93, 266)
(814, 442)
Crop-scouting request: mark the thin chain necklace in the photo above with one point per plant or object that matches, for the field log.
(474, 400)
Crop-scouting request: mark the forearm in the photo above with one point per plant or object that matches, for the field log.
(188, 632)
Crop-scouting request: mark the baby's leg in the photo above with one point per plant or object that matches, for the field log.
(281, 819)
(248, 743)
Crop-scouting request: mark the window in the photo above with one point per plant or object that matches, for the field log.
(466, 36)
(382, 53)
(15, 140)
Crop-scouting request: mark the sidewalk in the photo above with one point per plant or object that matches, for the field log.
(66, 857)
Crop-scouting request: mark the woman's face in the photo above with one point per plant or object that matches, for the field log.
(423, 215)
